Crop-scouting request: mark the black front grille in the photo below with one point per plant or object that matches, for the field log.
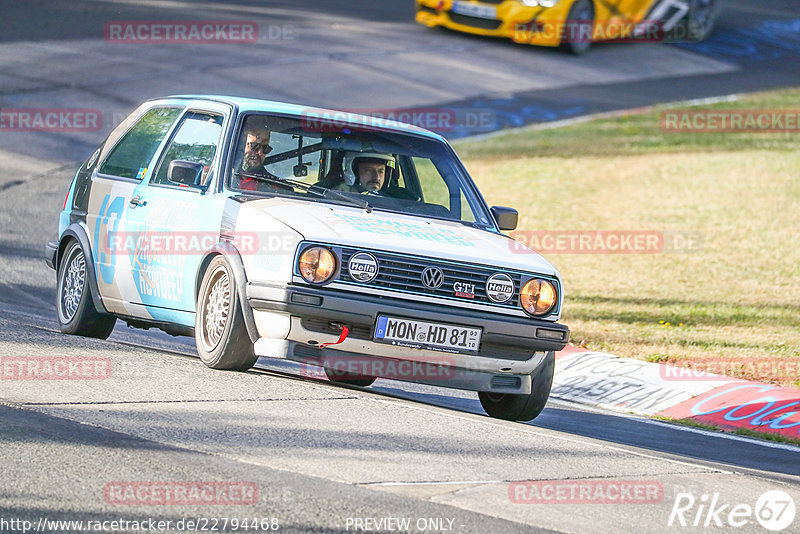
(475, 22)
(404, 273)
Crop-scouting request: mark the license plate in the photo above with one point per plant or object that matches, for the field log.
(425, 335)
(474, 10)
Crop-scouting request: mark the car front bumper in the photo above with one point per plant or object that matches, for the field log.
(293, 321)
(522, 24)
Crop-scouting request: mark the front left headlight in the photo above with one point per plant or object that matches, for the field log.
(317, 265)
(538, 297)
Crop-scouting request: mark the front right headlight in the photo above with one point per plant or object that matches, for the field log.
(317, 265)
(538, 297)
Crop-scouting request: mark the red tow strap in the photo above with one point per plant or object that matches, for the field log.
(342, 337)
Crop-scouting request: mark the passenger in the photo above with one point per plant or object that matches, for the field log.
(365, 172)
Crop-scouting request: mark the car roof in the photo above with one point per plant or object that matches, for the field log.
(246, 105)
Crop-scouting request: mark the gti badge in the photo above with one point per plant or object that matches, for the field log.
(464, 290)
(363, 267)
(499, 288)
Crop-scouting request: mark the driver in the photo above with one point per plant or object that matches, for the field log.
(256, 148)
(365, 172)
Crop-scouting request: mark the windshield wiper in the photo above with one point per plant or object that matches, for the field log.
(477, 225)
(323, 192)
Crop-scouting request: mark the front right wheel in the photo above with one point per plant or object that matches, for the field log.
(220, 333)
(700, 20)
(513, 407)
(578, 29)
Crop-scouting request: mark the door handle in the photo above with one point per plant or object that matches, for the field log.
(137, 201)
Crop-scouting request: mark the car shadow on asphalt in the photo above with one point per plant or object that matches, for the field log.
(636, 432)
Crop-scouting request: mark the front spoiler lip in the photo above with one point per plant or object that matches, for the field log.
(313, 359)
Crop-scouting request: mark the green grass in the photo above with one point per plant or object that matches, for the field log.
(638, 132)
(735, 298)
(777, 438)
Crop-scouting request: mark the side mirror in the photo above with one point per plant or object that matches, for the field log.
(506, 218)
(185, 173)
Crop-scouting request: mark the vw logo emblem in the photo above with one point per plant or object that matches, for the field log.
(432, 277)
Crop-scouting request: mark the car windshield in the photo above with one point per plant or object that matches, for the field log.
(345, 164)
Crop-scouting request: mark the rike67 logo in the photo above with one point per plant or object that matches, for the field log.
(774, 510)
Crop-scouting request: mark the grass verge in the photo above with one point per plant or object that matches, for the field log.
(777, 438)
(731, 303)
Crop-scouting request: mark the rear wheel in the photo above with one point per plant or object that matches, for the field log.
(220, 333)
(700, 20)
(579, 27)
(77, 314)
(513, 407)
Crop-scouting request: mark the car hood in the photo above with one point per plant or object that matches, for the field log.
(379, 230)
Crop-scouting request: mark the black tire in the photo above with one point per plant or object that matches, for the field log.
(699, 23)
(77, 314)
(219, 330)
(522, 407)
(342, 377)
(574, 40)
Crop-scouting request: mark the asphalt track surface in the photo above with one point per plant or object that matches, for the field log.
(323, 455)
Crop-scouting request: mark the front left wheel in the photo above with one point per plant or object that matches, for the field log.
(220, 333)
(77, 314)
(512, 407)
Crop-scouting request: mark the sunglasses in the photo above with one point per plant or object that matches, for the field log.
(259, 147)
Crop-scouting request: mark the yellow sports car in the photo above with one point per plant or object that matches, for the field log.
(573, 24)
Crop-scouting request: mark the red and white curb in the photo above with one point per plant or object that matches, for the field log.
(652, 389)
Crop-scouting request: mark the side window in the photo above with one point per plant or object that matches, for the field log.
(195, 140)
(466, 213)
(133, 153)
(435, 191)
